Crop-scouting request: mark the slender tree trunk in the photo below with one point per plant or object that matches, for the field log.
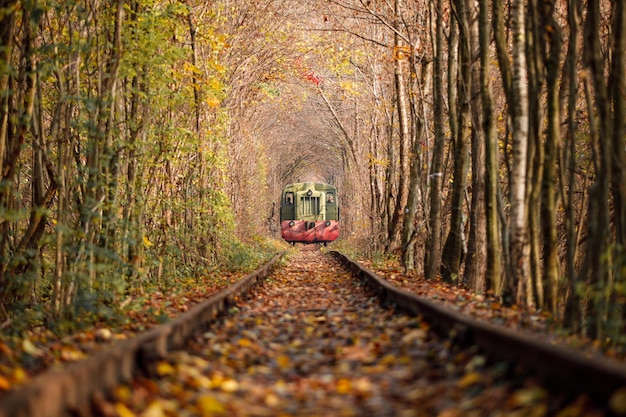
(536, 76)
(434, 243)
(572, 317)
(453, 248)
(520, 249)
(549, 209)
(599, 263)
(16, 118)
(475, 265)
(403, 122)
(493, 273)
(7, 28)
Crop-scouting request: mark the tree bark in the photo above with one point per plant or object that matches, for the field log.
(404, 136)
(572, 316)
(551, 144)
(475, 265)
(434, 243)
(453, 248)
(520, 249)
(493, 273)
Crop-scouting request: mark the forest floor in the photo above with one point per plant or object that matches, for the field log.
(21, 358)
(488, 308)
(313, 342)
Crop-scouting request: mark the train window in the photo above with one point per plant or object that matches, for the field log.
(330, 198)
(289, 198)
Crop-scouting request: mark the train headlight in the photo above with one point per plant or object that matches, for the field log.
(291, 223)
(309, 193)
(327, 223)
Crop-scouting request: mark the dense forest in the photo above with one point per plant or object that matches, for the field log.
(143, 142)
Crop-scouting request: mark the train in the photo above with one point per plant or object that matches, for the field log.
(309, 213)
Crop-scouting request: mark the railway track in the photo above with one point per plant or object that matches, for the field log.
(315, 341)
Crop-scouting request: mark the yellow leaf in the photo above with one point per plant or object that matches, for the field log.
(123, 393)
(469, 379)
(30, 348)
(146, 242)
(154, 410)
(213, 102)
(210, 406)
(19, 375)
(123, 411)
(283, 361)
(229, 385)
(164, 368)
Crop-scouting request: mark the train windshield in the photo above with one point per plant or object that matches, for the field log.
(310, 205)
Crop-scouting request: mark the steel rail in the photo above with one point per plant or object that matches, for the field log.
(560, 368)
(69, 391)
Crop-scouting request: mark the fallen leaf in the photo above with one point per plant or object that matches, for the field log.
(71, 354)
(528, 396)
(243, 342)
(272, 400)
(154, 410)
(229, 385)
(29, 348)
(5, 385)
(210, 406)
(164, 368)
(469, 379)
(283, 361)
(416, 335)
(344, 386)
(123, 411)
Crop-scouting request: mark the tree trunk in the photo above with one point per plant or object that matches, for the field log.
(404, 136)
(549, 209)
(598, 265)
(520, 249)
(475, 265)
(493, 273)
(453, 248)
(536, 75)
(434, 243)
(572, 316)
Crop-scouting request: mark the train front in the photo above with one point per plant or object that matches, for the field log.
(309, 213)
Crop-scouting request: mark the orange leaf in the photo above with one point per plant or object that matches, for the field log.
(344, 386)
(4, 384)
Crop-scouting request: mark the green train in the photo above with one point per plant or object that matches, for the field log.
(309, 213)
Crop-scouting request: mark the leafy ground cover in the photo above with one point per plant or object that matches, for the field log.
(313, 343)
(23, 356)
(488, 308)
(305, 345)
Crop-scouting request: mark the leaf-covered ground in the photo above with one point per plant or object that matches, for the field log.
(23, 356)
(312, 343)
(488, 308)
